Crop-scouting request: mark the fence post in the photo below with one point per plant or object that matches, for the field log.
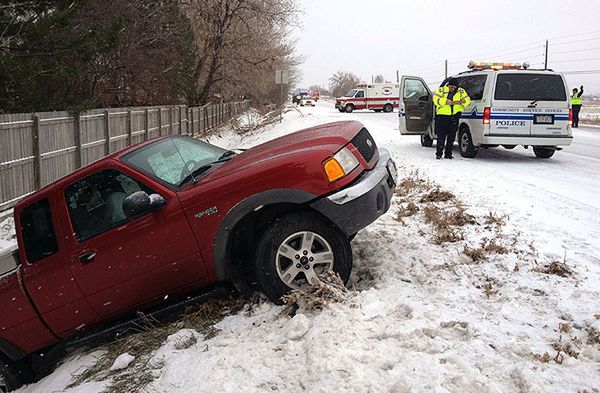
(129, 128)
(37, 156)
(170, 120)
(106, 132)
(192, 120)
(180, 119)
(160, 121)
(77, 138)
(146, 124)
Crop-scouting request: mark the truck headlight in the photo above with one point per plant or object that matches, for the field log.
(341, 164)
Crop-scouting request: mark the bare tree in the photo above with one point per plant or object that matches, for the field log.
(379, 79)
(341, 82)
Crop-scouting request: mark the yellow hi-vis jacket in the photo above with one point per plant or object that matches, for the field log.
(440, 97)
(576, 99)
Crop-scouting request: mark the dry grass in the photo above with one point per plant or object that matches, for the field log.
(437, 195)
(329, 289)
(446, 220)
(411, 185)
(492, 220)
(406, 211)
(557, 268)
(593, 336)
(150, 336)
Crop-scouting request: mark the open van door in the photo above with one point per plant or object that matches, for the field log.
(416, 106)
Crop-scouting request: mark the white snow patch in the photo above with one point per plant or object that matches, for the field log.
(298, 326)
(122, 362)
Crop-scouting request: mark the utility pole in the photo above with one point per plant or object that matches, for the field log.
(397, 76)
(546, 57)
(445, 69)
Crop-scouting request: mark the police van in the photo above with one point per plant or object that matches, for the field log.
(510, 105)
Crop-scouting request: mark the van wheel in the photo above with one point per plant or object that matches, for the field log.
(541, 152)
(9, 377)
(509, 147)
(467, 149)
(295, 249)
(349, 108)
(387, 108)
(426, 140)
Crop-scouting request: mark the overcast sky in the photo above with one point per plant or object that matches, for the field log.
(382, 36)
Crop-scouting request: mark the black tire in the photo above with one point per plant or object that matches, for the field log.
(426, 140)
(9, 377)
(541, 152)
(341, 110)
(465, 144)
(285, 235)
(387, 108)
(349, 108)
(509, 147)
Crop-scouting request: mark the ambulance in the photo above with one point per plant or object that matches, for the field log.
(510, 105)
(374, 96)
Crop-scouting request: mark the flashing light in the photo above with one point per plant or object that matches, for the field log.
(487, 115)
(489, 65)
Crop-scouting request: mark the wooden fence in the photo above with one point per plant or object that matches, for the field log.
(38, 148)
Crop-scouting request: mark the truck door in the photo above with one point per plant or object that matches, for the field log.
(45, 269)
(416, 106)
(360, 101)
(120, 262)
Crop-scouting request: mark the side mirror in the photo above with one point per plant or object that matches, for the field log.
(140, 203)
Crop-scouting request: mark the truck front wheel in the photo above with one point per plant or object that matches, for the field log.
(295, 249)
(426, 140)
(387, 108)
(349, 108)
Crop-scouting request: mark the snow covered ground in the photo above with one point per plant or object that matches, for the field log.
(425, 317)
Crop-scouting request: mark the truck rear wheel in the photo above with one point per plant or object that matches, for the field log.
(426, 140)
(387, 108)
(541, 152)
(9, 377)
(349, 108)
(295, 249)
(467, 149)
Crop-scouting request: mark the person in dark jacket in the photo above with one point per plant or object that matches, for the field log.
(576, 105)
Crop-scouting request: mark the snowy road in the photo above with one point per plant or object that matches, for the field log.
(425, 317)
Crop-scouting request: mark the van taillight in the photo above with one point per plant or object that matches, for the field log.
(486, 115)
(570, 116)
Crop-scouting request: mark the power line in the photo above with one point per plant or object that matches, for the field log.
(576, 50)
(573, 42)
(573, 35)
(575, 60)
(582, 72)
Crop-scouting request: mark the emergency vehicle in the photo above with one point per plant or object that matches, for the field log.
(510, 105)
(374, 96)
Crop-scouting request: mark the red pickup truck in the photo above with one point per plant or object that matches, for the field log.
(174, 214)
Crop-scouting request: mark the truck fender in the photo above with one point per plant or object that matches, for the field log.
(222, 253)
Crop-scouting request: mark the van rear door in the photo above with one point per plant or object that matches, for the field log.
(416, 106)
(529, 103)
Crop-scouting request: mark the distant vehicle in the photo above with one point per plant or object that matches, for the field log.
(173, 215)
(314, 95)
(374, 96)
(307, 101)
(510, 105)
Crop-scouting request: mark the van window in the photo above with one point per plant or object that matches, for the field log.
(39, 239)
(530, 87)
(474, 85)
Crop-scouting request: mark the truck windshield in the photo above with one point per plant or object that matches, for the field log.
(530, 87)
(171, 160)
(351, 93)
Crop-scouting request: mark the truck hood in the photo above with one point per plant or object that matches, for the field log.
(329, 137)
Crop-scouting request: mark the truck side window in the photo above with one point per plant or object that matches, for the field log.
(39, 239)
(95, 203)
(415, 90)
(360, 94)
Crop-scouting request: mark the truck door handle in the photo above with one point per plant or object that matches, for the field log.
(87, 257)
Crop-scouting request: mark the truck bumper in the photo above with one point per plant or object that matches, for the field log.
(361, 203)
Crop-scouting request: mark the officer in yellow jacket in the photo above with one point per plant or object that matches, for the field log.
(576, 105)
(450, 101)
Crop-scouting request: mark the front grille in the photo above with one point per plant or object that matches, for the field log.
(364, 143)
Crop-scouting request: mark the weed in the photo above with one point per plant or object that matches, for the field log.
(329, 289)
(437, 195)
(557, 268)
(410, 210)
(411, 185)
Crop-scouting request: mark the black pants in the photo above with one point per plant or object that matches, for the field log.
(445, 129)
(576, 109)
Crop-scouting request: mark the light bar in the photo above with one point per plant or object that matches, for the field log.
(489, 65)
